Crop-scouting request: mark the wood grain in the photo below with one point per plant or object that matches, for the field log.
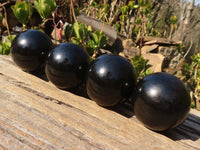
(34, 114)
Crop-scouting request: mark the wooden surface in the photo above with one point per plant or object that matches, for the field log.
(34, 114)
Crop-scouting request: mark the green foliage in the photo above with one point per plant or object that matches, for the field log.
(126, 10)
(141, 66)
(5, 46)
(99, 40)
(83, 36)
(173, 19)
(21, 11)
(117, 26)
(180, 48)
(192, 71)
(173, 25)
(132, 5)
(154, 32)
(192, 75)
(1, 18)
(144, 7)
(45, 7)
(144, 23)
(98, 10)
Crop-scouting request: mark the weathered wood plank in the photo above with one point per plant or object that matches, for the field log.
(34, 114)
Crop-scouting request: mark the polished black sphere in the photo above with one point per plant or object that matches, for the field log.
(29, 49)
(67, 66)
(162, 102)
(111, 80)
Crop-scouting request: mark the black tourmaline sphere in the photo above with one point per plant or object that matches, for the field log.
(111, 79)
(67, 66)
(162, 101)
(29, 49)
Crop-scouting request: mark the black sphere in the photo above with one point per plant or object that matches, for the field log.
(162, 102)
(29, 49)
(67, 66)
(111, 79)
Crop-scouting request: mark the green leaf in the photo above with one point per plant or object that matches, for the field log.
(90, 47)
(68, 31)
(173, 19)
(124, 9)
(198, 87)
(141, 65)
(148, 71)
(83, 36)
(1, 18)
(139, 20)
(76, 29)
(83, 32)
(21, 11)
(95, 37)
(45, 7)
(103, 41)
(5, 48)
(99, 39)
(11, 38)
(136, 6)
(37, 6)
(1, 48)
(132, 5)
(75, 41)
(91, 44)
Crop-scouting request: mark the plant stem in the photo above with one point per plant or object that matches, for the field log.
(124, 2)
(142, 36)
(6, 20)
(72, 9)
(83, 41)
(3, 6)
(71, 33)
(103, 20)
